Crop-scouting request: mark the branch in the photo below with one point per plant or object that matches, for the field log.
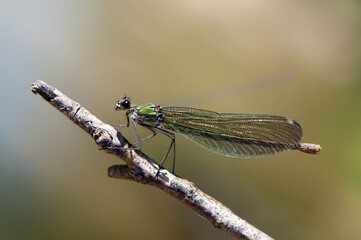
(141, 168)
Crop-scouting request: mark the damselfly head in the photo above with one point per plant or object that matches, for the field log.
(123, 104)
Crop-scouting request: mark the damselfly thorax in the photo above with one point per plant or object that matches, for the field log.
(147, 114)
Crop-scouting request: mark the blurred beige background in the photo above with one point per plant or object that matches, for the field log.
(299, 59)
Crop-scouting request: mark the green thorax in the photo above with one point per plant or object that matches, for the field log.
(146, 109)
(147, 114)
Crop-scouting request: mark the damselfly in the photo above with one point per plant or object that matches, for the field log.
(239, 135)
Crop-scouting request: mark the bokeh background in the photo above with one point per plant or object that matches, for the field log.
(299, 59)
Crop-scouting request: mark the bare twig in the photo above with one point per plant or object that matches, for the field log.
(141, 168)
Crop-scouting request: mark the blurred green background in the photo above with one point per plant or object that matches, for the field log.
(299, 59)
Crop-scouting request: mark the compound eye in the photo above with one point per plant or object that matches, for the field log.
(126, 103)
(123, 104)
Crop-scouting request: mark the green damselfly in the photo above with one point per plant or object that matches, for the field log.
(238, 135)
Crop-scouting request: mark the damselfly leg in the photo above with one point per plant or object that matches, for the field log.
(136, 133)
(154, 132)
(172, 144)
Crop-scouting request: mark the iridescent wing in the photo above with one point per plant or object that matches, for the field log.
(234, 135)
